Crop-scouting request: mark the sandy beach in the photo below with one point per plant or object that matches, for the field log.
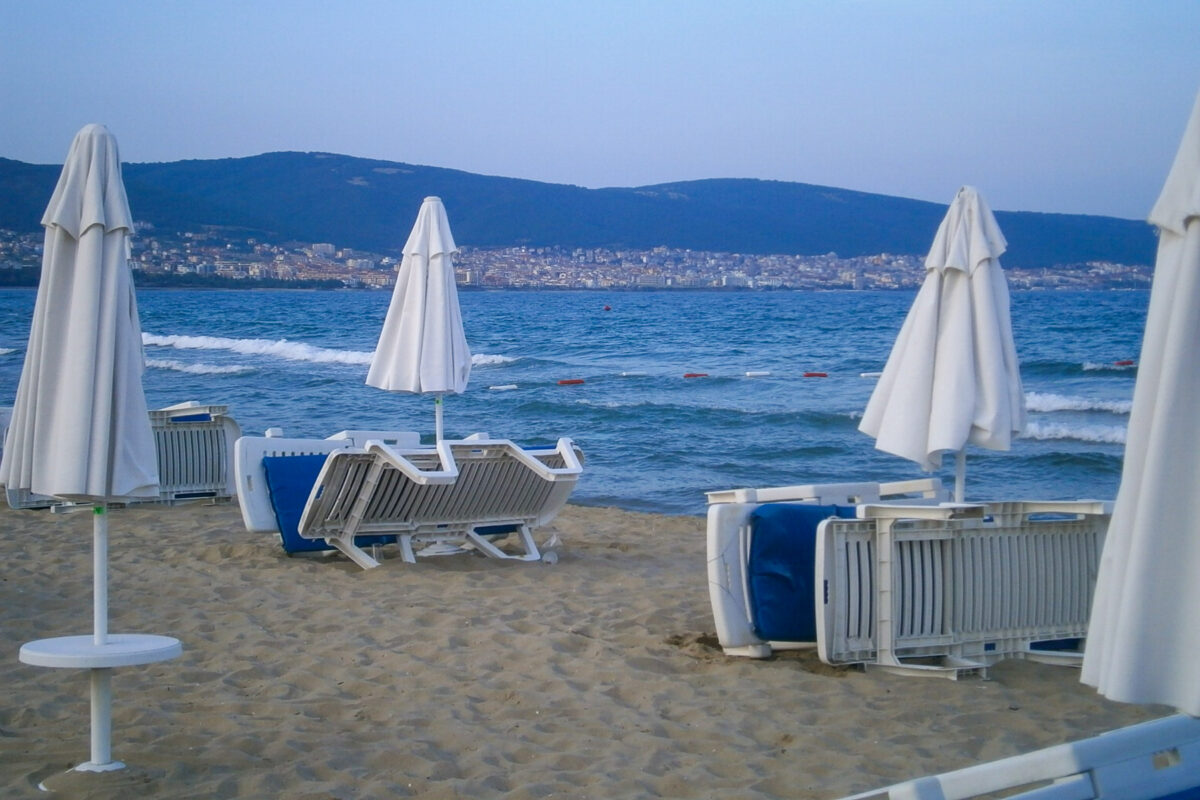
(596, 677)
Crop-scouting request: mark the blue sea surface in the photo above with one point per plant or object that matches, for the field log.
(654, 440)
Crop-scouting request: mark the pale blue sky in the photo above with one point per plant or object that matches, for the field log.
(1044, 105)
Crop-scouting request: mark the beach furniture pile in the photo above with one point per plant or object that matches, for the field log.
(194, 443)
(366, 489)
(891, 576)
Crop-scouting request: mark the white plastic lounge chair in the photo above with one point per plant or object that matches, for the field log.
(731, 521)
(449, 498)
(944, 591)
(195, 452)
(1156, 760)
(271, 502)
(195, 457)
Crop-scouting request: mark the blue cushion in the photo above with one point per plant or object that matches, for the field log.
(289, 481)
(781, 569)
(496, 530)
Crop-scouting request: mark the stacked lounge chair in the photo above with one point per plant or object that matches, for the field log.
(195, 457)
(369, 488)
(915, 585)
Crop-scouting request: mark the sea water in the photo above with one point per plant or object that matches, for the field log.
(653, 439)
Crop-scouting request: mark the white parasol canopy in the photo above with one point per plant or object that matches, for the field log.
(80, 428)
(422, 347)
(952, 377)
(1144, 636)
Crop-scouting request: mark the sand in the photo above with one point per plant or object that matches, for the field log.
(596, 677)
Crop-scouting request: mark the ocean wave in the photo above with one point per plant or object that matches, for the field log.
(7, 350)
(277, 348)
(1059, 369)
(285, 349)
(1115, 366)
(1048, 402)
(197, 369)
(1102, 434)
(486, 360)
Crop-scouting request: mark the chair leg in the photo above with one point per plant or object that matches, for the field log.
(354, 552)
(531, 549)
(406, 551)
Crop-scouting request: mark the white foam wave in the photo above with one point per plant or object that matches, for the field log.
(1093, 366)
(485, 360)
(6, 350)
(277, 348)
(1104, 434)
(1047, 402)
(197, 369)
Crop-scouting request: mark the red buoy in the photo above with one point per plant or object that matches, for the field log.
(570, 381)
(816, 375)
(608, 308)
(695, 374)
(1126, 362)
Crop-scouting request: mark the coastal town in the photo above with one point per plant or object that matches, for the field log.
(220, 257)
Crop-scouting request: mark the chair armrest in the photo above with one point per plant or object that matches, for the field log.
(943, 511)
(395, 457)
(833, 493)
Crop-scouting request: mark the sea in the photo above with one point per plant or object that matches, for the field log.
(780, 381)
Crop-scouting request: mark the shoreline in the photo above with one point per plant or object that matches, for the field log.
(598, 676)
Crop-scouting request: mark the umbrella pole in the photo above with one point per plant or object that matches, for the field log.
(100, 573)
(437, 417)
(960, 475)
(101, 679)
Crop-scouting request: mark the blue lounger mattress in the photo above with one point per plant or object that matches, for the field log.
(781, 569)
(290, 479)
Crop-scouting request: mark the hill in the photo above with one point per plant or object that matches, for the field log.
(370, 205)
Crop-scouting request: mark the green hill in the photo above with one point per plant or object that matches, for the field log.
(370, 205)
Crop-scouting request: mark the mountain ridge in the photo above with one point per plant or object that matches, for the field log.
(369, 204)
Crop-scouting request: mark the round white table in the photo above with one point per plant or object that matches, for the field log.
(82, 652)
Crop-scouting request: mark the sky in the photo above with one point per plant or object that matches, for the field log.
(1043, 105)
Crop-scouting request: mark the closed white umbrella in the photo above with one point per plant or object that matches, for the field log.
(80, 430)
(953, 378)
(422, 348)
(1144, 637)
